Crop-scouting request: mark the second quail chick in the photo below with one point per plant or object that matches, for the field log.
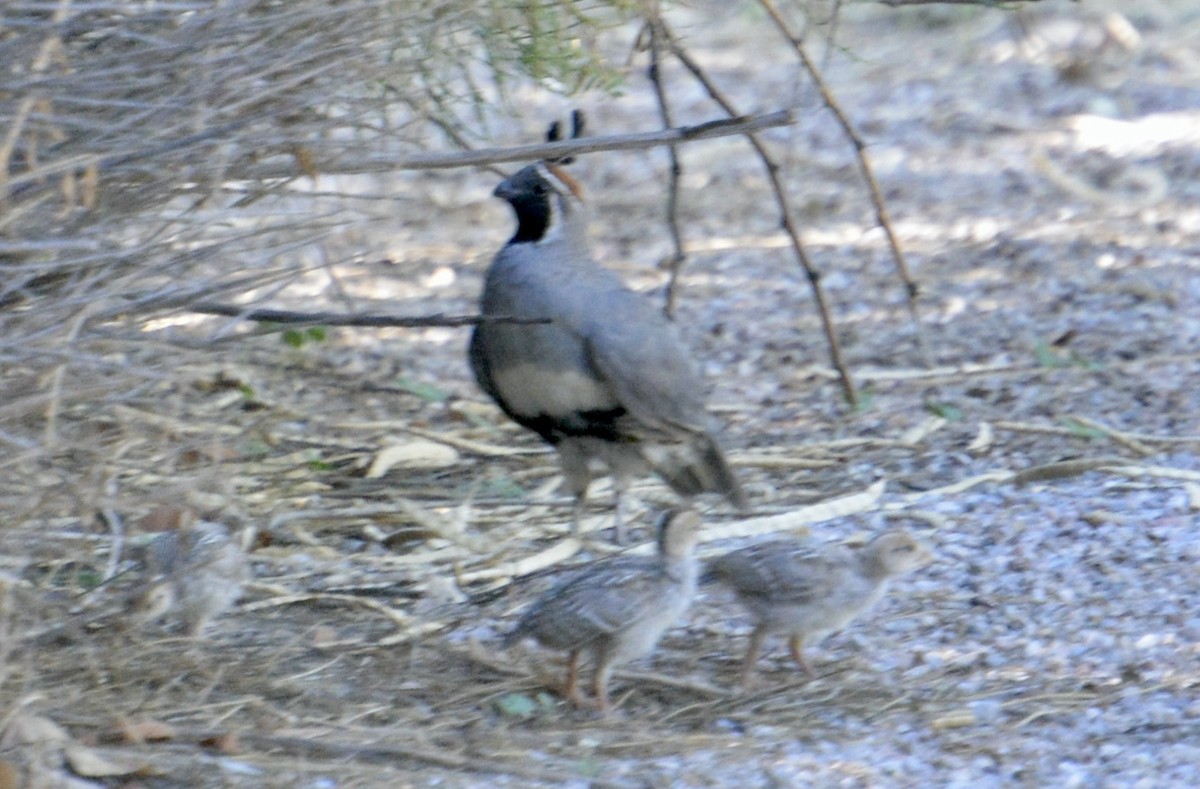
(197, 571)
(617, 609)
(810, 591)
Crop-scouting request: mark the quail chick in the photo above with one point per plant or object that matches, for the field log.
(608, 379)
(617, 609)
(809, 592)
(197, 571)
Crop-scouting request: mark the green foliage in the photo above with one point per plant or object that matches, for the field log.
(1048, 356)
(1082, 430)
(255, 448)
(554, 42)
(313, 461)
(505, 488)
(298, 338)
(522, 705)
(947, 411)
(426, 391)
(866, 400)
(516, 705)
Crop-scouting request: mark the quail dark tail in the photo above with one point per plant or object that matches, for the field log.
(697, 467)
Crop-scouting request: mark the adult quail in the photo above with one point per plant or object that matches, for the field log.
(617, 609)
(196, 571)
(808, 592)
(608, 378)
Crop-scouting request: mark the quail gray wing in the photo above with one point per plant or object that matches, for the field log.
(595, 604)
(782, 572)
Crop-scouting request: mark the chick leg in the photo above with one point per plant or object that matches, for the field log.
(796, 644)
(752, 650)
(571, 690)
(600, 683)
(620, 485)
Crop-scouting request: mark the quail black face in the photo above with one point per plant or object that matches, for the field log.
(536, 193)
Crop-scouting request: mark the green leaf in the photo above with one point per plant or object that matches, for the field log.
(298, 338)
(255, 448)
(516, 705)
(1047, 357)
(947, 411)
(1081, 430)
(427, 392)
(89, 579)
(315, 462)
(866, 400)
(505, 488)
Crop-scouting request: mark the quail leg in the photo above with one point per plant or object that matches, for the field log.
(578, 478)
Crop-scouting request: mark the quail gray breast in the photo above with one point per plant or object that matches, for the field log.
(196, 571)
(617, 609)
(810, 591)
(607, 378)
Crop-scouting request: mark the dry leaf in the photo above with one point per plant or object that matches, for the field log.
(983, 439)
(323, 636)
(10, 776)
(922, 431)
(954, 720)
(226, 743)
(89, 763)
(412, 454)
(143, 731)
(1193, 494)
(166, 517)
(29, 729)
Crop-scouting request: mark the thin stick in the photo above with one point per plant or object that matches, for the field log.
(785, 212)
(675, 262)
(33, 181)
(986, 3)
(868, 175)
(344, 319)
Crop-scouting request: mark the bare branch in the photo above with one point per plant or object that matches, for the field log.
(345, 319)
(990, 3)
(674, 264)
(785, 214)
(864, 165)
(724, 127)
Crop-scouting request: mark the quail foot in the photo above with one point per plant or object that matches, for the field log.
(808, 592)
(607, 380)
(616, 609)
(196, 572)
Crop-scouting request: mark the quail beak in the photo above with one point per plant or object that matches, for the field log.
(504, 191)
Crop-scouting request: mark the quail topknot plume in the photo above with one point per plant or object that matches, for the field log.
(616, 609)
(809, 591)
(608, 378)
